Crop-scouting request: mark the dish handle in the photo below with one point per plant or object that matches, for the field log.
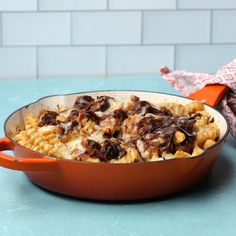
(210, 94)
(24, 164)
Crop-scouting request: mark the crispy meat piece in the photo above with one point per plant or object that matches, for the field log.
(106, 151)
(73, 115)
(120, 115)
(90, 115)
(49, 118)
(93, 148)
(143, 107)
(84, 102)
(149, 125)
(102, 103)
(168, 134)
(111, 150)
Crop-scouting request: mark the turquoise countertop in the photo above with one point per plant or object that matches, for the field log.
(25, 209)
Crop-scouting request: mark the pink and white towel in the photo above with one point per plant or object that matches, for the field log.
(189, 82)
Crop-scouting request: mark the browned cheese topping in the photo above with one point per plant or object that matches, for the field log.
(154, 125)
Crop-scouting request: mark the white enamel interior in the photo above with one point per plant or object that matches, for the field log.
(16, 120)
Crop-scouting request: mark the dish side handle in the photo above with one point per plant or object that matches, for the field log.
(24, 164)
(210, 94)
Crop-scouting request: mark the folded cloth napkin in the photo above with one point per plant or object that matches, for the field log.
(189, 82)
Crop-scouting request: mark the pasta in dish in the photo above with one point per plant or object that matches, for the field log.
(105, 129)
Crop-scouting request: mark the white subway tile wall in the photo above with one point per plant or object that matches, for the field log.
(176, 27)
(71, 61)
(106, 28)
(0, 31)
(224, 26)
(18, 5)
(17, 62)
(138, 59)
(142, 4)
(207, 4)
(53, 5)
(204, 58)
(36, 28)
(70, 38)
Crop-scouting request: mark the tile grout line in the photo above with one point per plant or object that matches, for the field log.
(176, 4)
(108, 5)
(106, 61)
(211, 26)
(38, 8)
(119, 10)
(142, 26)
(122, 45)
(174, 61)
(1, 29)
(37, 62)
(71, 28)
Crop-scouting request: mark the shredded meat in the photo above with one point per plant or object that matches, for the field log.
(90, 115)
(106, 151)
(102, 103)
(111, 150)
(149, 125)
(73, 115)
(120, 115)
(49, 118)
(143, 107)
(165, 127)
(84, 102)
(93, 148)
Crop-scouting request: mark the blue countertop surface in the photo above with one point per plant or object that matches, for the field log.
(25, 209)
